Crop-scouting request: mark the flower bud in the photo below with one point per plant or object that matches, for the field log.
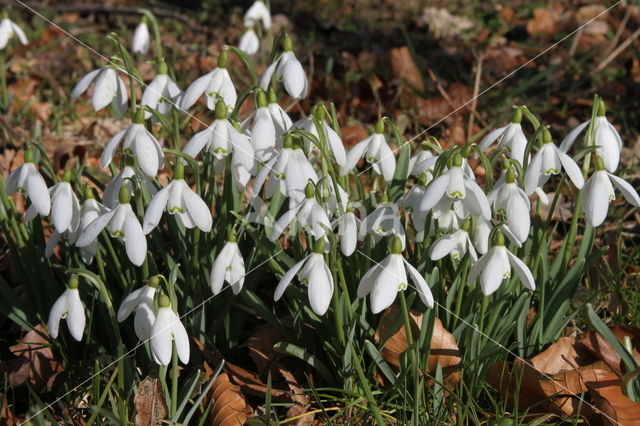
(261, 98)
(498, 239)
(138, 117)
(287, 44)
(154, 281)
(517, 116)
(309, 190)
(602, 109)
(67, 176)
(546, 136)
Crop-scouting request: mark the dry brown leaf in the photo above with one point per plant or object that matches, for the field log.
(590, 11)
(34, 360)
(251, 383)
(599, 348)
(443, 349)
(151, 407)
(298, 412)
(6, 415)
(351, 135)
(544, 21)
(260, 346)
(605, 389)
(405, 69)
(230, 407)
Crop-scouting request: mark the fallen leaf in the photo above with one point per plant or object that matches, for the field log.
(34, 362)
(599, 348)
(6, 415)
(230, 407)
(544, 21)
(617, 409)
(443, 349)
(150, 404)
(251, 383)
(404, 68)
(260, 346)
(353, 134)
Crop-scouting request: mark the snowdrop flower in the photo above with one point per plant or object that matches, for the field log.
(249, 42)
(383, 222)
(423, 163)
(108, 88)
(308, 124)
(280, 118)
(510, 137)
(326, 188)
(599, 192)
(90, 211)
(141, 301)
(144, 146)
(549, 160)
(228, 267)
(125, 177)
(377, 153)
(511, 201)
(456, 245)
(221, 138)
(495, 265)
(166, 329)
(178, 199)
(258, 12)
(347, 225)
(120, 222)
(289, 172)
(141, 38)
(26, 178)
(288, 69)
(385, 279)
(456, 186)
(309, 215)
(65, 208)
(162, 93)
(313, 271)
(8, 29)
(69, 307)
(261, 129)
(606, 138)
(449, 214)
(215, 85)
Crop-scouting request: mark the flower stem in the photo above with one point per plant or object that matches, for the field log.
(174, 380)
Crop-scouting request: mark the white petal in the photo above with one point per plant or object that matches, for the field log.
(282, 223)
(518, 217)
(337, 147)
(320, 288)
(105, 88)
(477, 268)
(568, 140)
(493, 274)
(143, 321)
(129, 304)
(491, 137)
(596, 198)
(295, 80)
(387, 162)
(355, 154)
(181, 339)
(532, 175)
(368, 279)
(38, 192)
(195, 90)
(268, 73)
(84, 83)
(219, 268)
(198, 209)
(145, 147)
(286, 279)
(476, 201)
(161, 341)
(628, 191)
(348, 232)
(434, 192)
(443, 246)
(58, 309)
(571, 168)
(76, 318)
(134, 240)
(385, 288)
(522, 271)
(198, 142)
(421, 285)
(18, 31)
(61, 208)
(156, 207)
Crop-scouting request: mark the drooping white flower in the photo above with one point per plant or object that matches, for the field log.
(289, 172)
(331, 201)
(449, 214)
(26, 178)
(549, 160)
(65, 208)
(511, 201)
(511, 137)
(140, 301)
(313, 271)
(249, 42)
(121, 222)
(8, 29)
(166, 329)
(178, 199)
(162, 93)
(125, 177)
(606, 137)
(336, 147)
(141, 39)
(495, 265)
(308, 214)
(287, 69)
(144, 146)
(385, 279)
(599, 192)
(108, 88)
(456, 245)
(221, 138)
(347, 225)
(384, 221)
(228, 267)
(69, 307)
(455, 185)
(215, 85)
(423, 163)
(377, 153)
(280, 118)
(412, 202)
(258, 12)
(261, 129)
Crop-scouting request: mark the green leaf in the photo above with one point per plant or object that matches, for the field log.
(304, 355)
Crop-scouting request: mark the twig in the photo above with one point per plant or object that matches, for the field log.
(476, 89)
(617, 51)
(448, 99)
(621, 28)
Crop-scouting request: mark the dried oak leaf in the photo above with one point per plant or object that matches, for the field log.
(251, 383)
(260, 346)
(34, 362)
(230, 407)
(151, 407)
(405, 69)
(443, 349)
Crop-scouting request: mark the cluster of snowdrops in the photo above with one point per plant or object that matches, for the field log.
(425, 193)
